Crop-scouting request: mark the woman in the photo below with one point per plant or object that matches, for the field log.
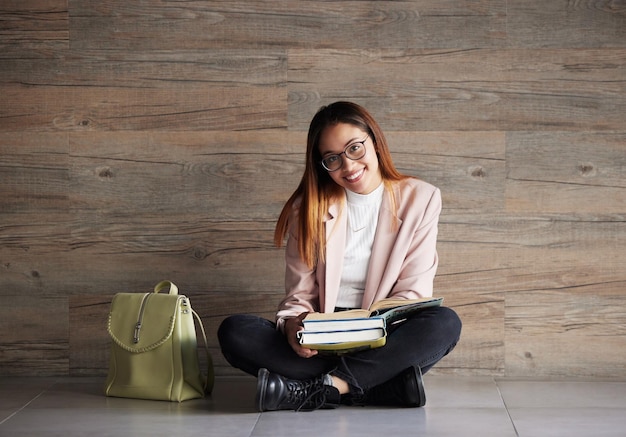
(357, 232)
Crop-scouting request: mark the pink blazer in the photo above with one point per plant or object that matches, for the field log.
(403, 261)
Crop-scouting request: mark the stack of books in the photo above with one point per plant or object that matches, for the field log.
(354, 330)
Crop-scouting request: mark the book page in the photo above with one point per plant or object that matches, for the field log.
(392, 302)
(384, 304)
(350, 314)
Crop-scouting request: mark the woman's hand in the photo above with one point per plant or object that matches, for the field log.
(292, 326)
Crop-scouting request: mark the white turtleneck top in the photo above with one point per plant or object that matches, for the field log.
(362, 220)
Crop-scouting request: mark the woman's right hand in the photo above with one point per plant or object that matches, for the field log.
(292, 326)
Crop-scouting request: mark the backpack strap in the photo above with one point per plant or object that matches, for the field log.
(210, 378)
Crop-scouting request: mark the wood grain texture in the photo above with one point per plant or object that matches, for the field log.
(288, 23)
(33, 24)
(577, 173)
(34, 336)
(506, 253)
(216, 258)
(223, 175)
(546, 327)
(34, 170)
(76, 108)
(535, 274)
(148, 140)
(34, 256)
(550, 89)
(173, 91)
(536, 23)
(468, 167)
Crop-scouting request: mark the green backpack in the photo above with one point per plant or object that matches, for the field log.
(154, 348)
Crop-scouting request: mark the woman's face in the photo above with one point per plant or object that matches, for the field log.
(361, 176)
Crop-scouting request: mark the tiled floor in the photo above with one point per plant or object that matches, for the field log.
(456, 406)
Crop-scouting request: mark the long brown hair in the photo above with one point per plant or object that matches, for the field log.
(317, 191)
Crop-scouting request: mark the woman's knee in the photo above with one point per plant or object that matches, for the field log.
(451, 321)
(240, 329)
(231, 329)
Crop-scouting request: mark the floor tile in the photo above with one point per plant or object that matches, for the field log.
(77, 407)
(573, 422)
(456, 406)
(354, 421)
(137, 422)
(17, 392)
(232, 394)
(461, 391)
(562, 394)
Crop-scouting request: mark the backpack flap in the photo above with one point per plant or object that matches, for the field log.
(142, 322)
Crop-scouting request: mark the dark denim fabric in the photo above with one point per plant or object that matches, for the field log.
(250, 342)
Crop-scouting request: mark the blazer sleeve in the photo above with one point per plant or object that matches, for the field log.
(301, 286)
(418, 268)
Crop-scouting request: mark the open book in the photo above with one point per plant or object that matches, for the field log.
(358, 329)
(383, 313)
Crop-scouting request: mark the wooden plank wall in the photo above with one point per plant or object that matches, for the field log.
(158, 139)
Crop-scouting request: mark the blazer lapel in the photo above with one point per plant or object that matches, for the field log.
(384, 240)
(335, 248)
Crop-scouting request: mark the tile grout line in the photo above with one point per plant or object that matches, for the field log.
(256, 422)
(506, 407)
(22, 407)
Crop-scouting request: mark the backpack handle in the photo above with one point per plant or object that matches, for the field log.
(161, 285)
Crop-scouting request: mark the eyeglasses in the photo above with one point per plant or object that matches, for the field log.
(354, 151)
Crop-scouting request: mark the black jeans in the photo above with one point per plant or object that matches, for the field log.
(250, 342)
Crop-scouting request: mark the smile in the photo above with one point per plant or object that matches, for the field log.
(355, 176)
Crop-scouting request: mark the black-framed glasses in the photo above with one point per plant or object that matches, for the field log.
(353, 151)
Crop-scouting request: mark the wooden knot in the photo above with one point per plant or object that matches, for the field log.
(477, 172)
(587, 169)
(104, 172)
(199, 253)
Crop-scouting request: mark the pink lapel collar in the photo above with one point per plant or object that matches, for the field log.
(335, 246)
(376, 287)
